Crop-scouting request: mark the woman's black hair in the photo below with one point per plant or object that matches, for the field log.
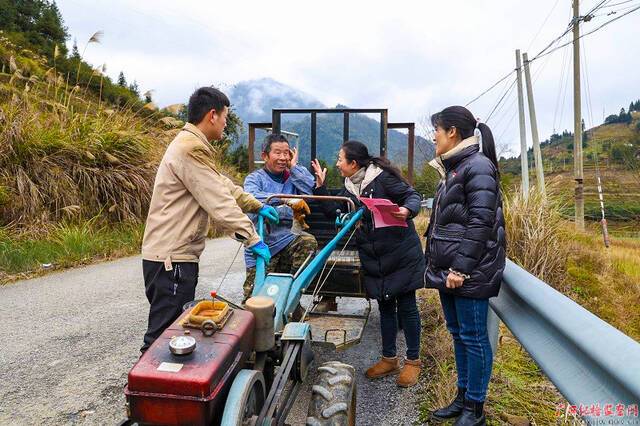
(463, 120)
(358, 152)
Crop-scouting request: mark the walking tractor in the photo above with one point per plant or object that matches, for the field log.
(220, 363)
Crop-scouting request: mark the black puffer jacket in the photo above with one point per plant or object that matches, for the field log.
(467, 231)
(391, 257)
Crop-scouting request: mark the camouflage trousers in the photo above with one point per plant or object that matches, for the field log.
(287, 261)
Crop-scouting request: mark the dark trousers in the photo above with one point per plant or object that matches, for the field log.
(407, 313)
(166, 292)
(467, 322)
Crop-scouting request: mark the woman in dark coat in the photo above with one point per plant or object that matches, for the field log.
(465, 252)
(391, 257)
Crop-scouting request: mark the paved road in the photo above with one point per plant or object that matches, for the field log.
(69, 339)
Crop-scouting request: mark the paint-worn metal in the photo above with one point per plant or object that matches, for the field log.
(169, 389)
(296, 331)
(282, 288)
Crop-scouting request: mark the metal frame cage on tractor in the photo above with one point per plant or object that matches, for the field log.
(276, 127)
(345, 276)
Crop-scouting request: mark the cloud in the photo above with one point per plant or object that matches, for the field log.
(414, 57)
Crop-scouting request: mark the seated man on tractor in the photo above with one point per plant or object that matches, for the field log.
(287, 241)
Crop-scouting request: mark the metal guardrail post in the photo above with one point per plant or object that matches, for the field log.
(427, 204)
(588, 360)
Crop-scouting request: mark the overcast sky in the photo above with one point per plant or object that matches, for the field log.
(414, 57)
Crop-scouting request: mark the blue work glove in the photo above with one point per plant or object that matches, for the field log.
(260, 249)
(270, 214)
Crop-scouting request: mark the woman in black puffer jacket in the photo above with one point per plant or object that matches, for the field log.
(465, 251)
(391, 257)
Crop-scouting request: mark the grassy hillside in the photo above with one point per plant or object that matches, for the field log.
(76, 172)
(613, 148)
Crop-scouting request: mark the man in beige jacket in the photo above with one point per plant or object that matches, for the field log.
(188, 190)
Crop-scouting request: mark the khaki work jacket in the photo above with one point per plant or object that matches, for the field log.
(188, 190)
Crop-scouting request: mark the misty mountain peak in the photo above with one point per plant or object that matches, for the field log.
(253, 100)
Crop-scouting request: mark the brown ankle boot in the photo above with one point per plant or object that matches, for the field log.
(384, 367)
(410, 373)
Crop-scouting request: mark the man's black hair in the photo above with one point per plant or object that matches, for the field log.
(204, 100)
(270, 139)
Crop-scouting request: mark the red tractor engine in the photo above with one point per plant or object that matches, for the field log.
(184, 377)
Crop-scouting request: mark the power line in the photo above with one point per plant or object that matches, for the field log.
(509, 89)
(496, 124)
(566, 89)
(544, 52)
(570, 27)
(498, 97)
(490, 88)
(543, 24)
(563, 77)
(500, 119)
(588, 33)
(617, 4)
(598, 6)
(508, 127)
(557, 39)
(613, 12)
(586, 78)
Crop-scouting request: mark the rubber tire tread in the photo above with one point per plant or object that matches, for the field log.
(335, 405)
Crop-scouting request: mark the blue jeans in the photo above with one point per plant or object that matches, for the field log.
(409, 317)
(467, 322)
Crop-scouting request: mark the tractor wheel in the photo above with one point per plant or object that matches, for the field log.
(333, 396)
(245, 399)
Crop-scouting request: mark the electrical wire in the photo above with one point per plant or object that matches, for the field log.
(561, 83)
(543, 24)
(588, 33)
(544, 52)
(585, 75)
(490, 88)
(509, 89)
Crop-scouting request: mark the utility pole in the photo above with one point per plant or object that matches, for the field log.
(524, 164)
(537, 155)
(577, 120)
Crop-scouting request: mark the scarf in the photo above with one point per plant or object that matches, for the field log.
(361, 179)
(280, 178)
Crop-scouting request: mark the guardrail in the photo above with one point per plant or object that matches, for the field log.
(590, 362)
(426, 203)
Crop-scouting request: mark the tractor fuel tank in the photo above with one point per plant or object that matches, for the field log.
(170, 389)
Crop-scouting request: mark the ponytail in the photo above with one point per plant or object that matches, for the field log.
(488, 145)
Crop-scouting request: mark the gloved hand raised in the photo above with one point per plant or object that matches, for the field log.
(300, 210)
(260, 249)
(270, 214)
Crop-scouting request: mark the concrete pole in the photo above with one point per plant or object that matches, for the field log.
(524, 164)
(537, 155)
(577, 120)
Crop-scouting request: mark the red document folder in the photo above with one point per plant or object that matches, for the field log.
(381, 209)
